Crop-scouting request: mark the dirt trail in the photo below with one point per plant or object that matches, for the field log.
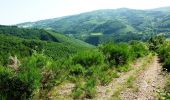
(106, 92)
(148, 82)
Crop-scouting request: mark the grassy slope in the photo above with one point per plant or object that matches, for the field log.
(13, 40)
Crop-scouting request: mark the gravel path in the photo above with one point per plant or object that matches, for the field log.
(148, 82)
(106, 92)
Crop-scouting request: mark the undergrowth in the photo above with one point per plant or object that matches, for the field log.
(93, 67)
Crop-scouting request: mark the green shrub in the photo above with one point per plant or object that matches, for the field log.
(164, 51)
(77, 70)
(166, 64)
(164, 55)
(139, 49)
(116, 54)
(13, 87)
(155, 42)
(31, 70)
(34, 73)
(88, 58)
(36, 61)
(93, 70)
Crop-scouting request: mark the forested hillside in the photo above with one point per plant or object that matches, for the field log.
(24, 42)
(97, 26)
(38, 34)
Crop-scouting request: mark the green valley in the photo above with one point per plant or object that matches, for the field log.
(116, 24)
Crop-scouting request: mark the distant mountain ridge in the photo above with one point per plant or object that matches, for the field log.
(96, 26)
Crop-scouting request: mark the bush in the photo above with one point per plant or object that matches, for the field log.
(155, 42)
(13, 87)
(36, 72)
(88, 58)
(32, 68)
(77, 70)
(164, 55)
(164, 51)
(166, 64)
(139, 49)
(116, 54)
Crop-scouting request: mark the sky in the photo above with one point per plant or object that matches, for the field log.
(19, 11)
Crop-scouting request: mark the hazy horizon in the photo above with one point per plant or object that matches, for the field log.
(19, 11)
